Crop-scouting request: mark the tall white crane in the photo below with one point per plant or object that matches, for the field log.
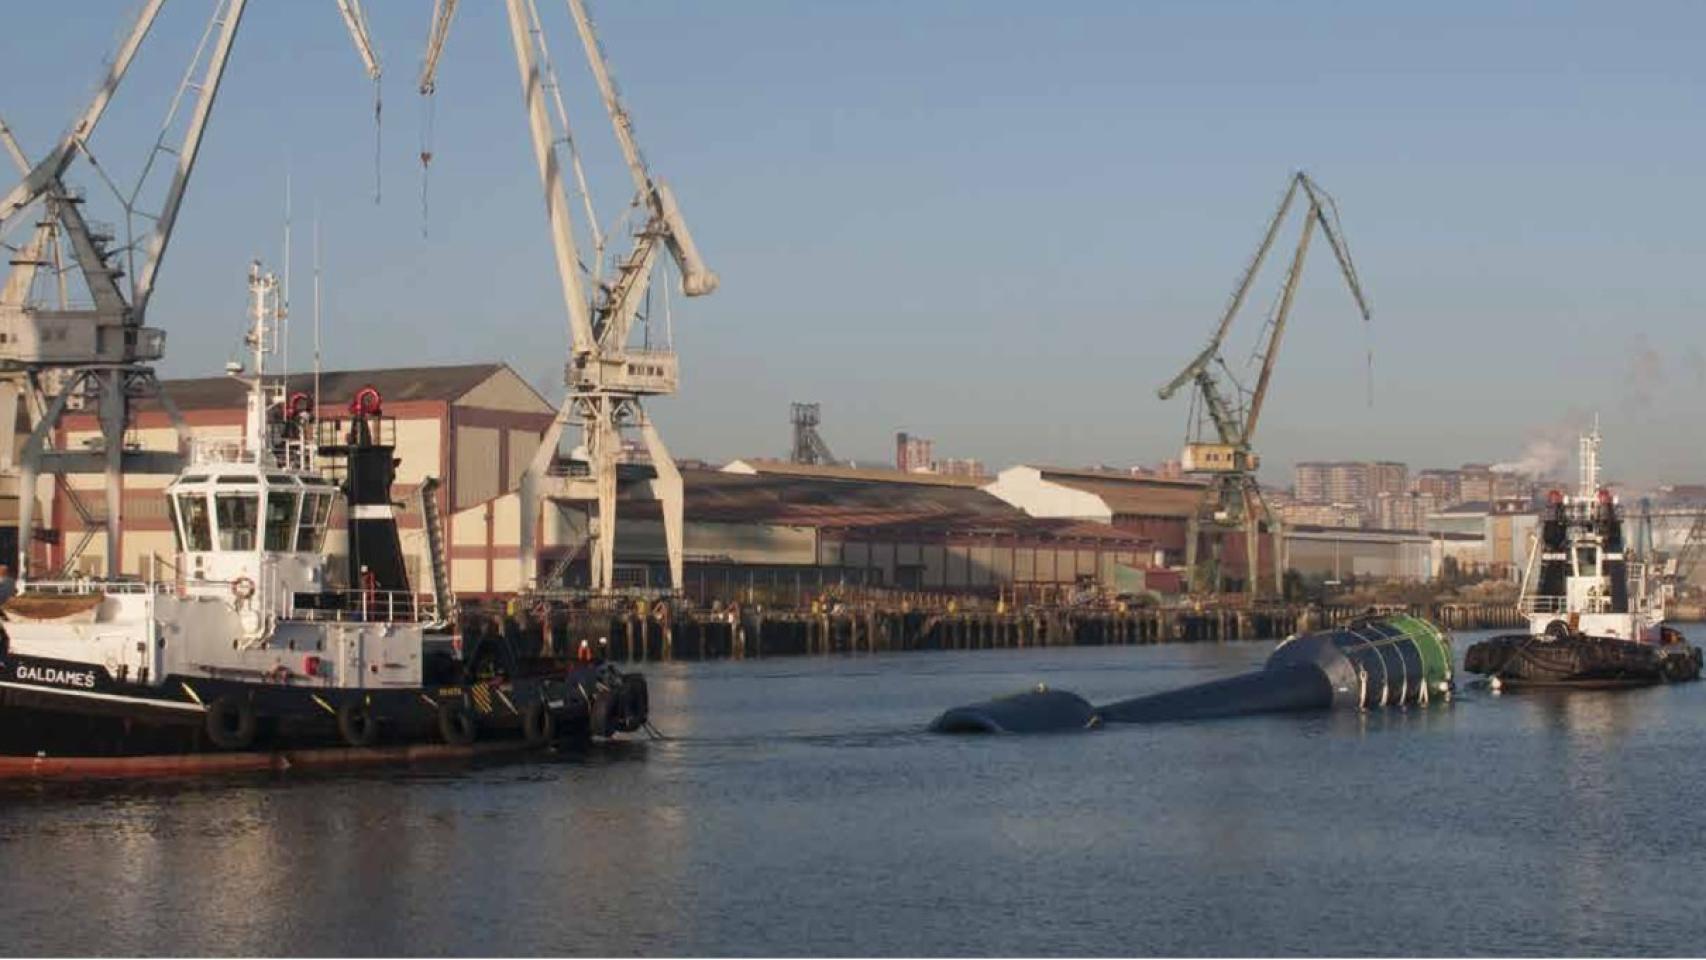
(607, 375)
(63, 348)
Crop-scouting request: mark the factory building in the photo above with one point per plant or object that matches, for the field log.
(770, 531)
(1338, 554)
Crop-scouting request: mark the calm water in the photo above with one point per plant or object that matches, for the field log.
(799, 809)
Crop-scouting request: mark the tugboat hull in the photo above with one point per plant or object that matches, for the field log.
(1581, 661)
(96, 727)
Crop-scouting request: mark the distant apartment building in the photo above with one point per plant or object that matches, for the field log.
(960, 467)
(1343, 515)
(918, 455)
(1404, 511)
(1445, 486)
(914, 454)
(1475, 483)
(1387, 477)
(1343, 481)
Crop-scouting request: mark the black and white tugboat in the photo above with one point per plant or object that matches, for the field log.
(254, 652)
(1595, 616)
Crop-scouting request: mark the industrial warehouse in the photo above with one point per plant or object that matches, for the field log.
(755, 528)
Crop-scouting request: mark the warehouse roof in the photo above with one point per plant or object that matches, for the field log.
(1128, 495)
(399, 384)
(888, 506)
(783, 468)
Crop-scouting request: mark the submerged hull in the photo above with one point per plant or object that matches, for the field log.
(1375, 662)
(1581, 661)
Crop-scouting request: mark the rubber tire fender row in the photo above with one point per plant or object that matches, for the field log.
(358, 725)
(538, 724)
(456, 723)
(230, 722)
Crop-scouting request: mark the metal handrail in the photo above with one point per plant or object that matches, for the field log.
(370, 606)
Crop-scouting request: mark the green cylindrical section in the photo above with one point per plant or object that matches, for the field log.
(1431, 643)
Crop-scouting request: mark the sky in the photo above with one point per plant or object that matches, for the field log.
(1000, 225)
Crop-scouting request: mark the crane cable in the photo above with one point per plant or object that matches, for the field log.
(378, 139)
(427, 112)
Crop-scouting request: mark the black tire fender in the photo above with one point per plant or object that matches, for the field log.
(456, 724)
(636, 702)
(538, 723)
(230, 722)
(601, 711)
(357, 723)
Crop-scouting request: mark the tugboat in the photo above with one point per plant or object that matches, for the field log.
(248, 653)
(1595, 617)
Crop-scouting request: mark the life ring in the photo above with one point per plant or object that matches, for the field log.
(366, 403)
(456, 724)
(230, 723)
(357, 723)
(242, 588)
(538, 724)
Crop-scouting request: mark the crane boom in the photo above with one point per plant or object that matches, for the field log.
(697, 279)
(1326, 212)
(356, 20)
(443, 11)
(1271, 353)
(522, 27)
(186, 153)
(1199, 366)
(53, 165)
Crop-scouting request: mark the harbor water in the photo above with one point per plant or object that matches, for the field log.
(798, 807)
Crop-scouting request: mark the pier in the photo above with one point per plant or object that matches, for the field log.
(653, 631)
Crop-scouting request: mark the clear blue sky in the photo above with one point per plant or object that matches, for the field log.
(997, 224)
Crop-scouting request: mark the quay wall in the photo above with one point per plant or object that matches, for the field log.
(650, 633)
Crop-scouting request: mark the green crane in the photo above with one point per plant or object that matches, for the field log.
(1226, 458)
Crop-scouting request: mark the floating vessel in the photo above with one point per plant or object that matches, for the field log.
(1367, 664)
(252, 651)
(1595, 616)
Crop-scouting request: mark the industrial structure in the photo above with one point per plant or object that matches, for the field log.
(809, 446)
(1227, 460)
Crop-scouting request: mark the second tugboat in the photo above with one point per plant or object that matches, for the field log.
(247, 656)
(1595, 617)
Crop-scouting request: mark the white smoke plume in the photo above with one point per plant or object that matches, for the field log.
(1542, 457)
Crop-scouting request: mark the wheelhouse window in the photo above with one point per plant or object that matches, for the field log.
(311, 532)
(197, 528)
(281, 519)
(177, 523)
(238, 515)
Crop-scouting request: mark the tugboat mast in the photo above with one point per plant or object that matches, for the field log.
(268, 435)
(1588, 459)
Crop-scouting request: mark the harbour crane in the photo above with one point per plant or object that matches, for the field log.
(1226, 458)
(607, 375)
(91, 347)
(355, 20)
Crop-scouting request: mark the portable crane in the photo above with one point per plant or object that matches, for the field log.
(93, 347)
(1232, 498)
